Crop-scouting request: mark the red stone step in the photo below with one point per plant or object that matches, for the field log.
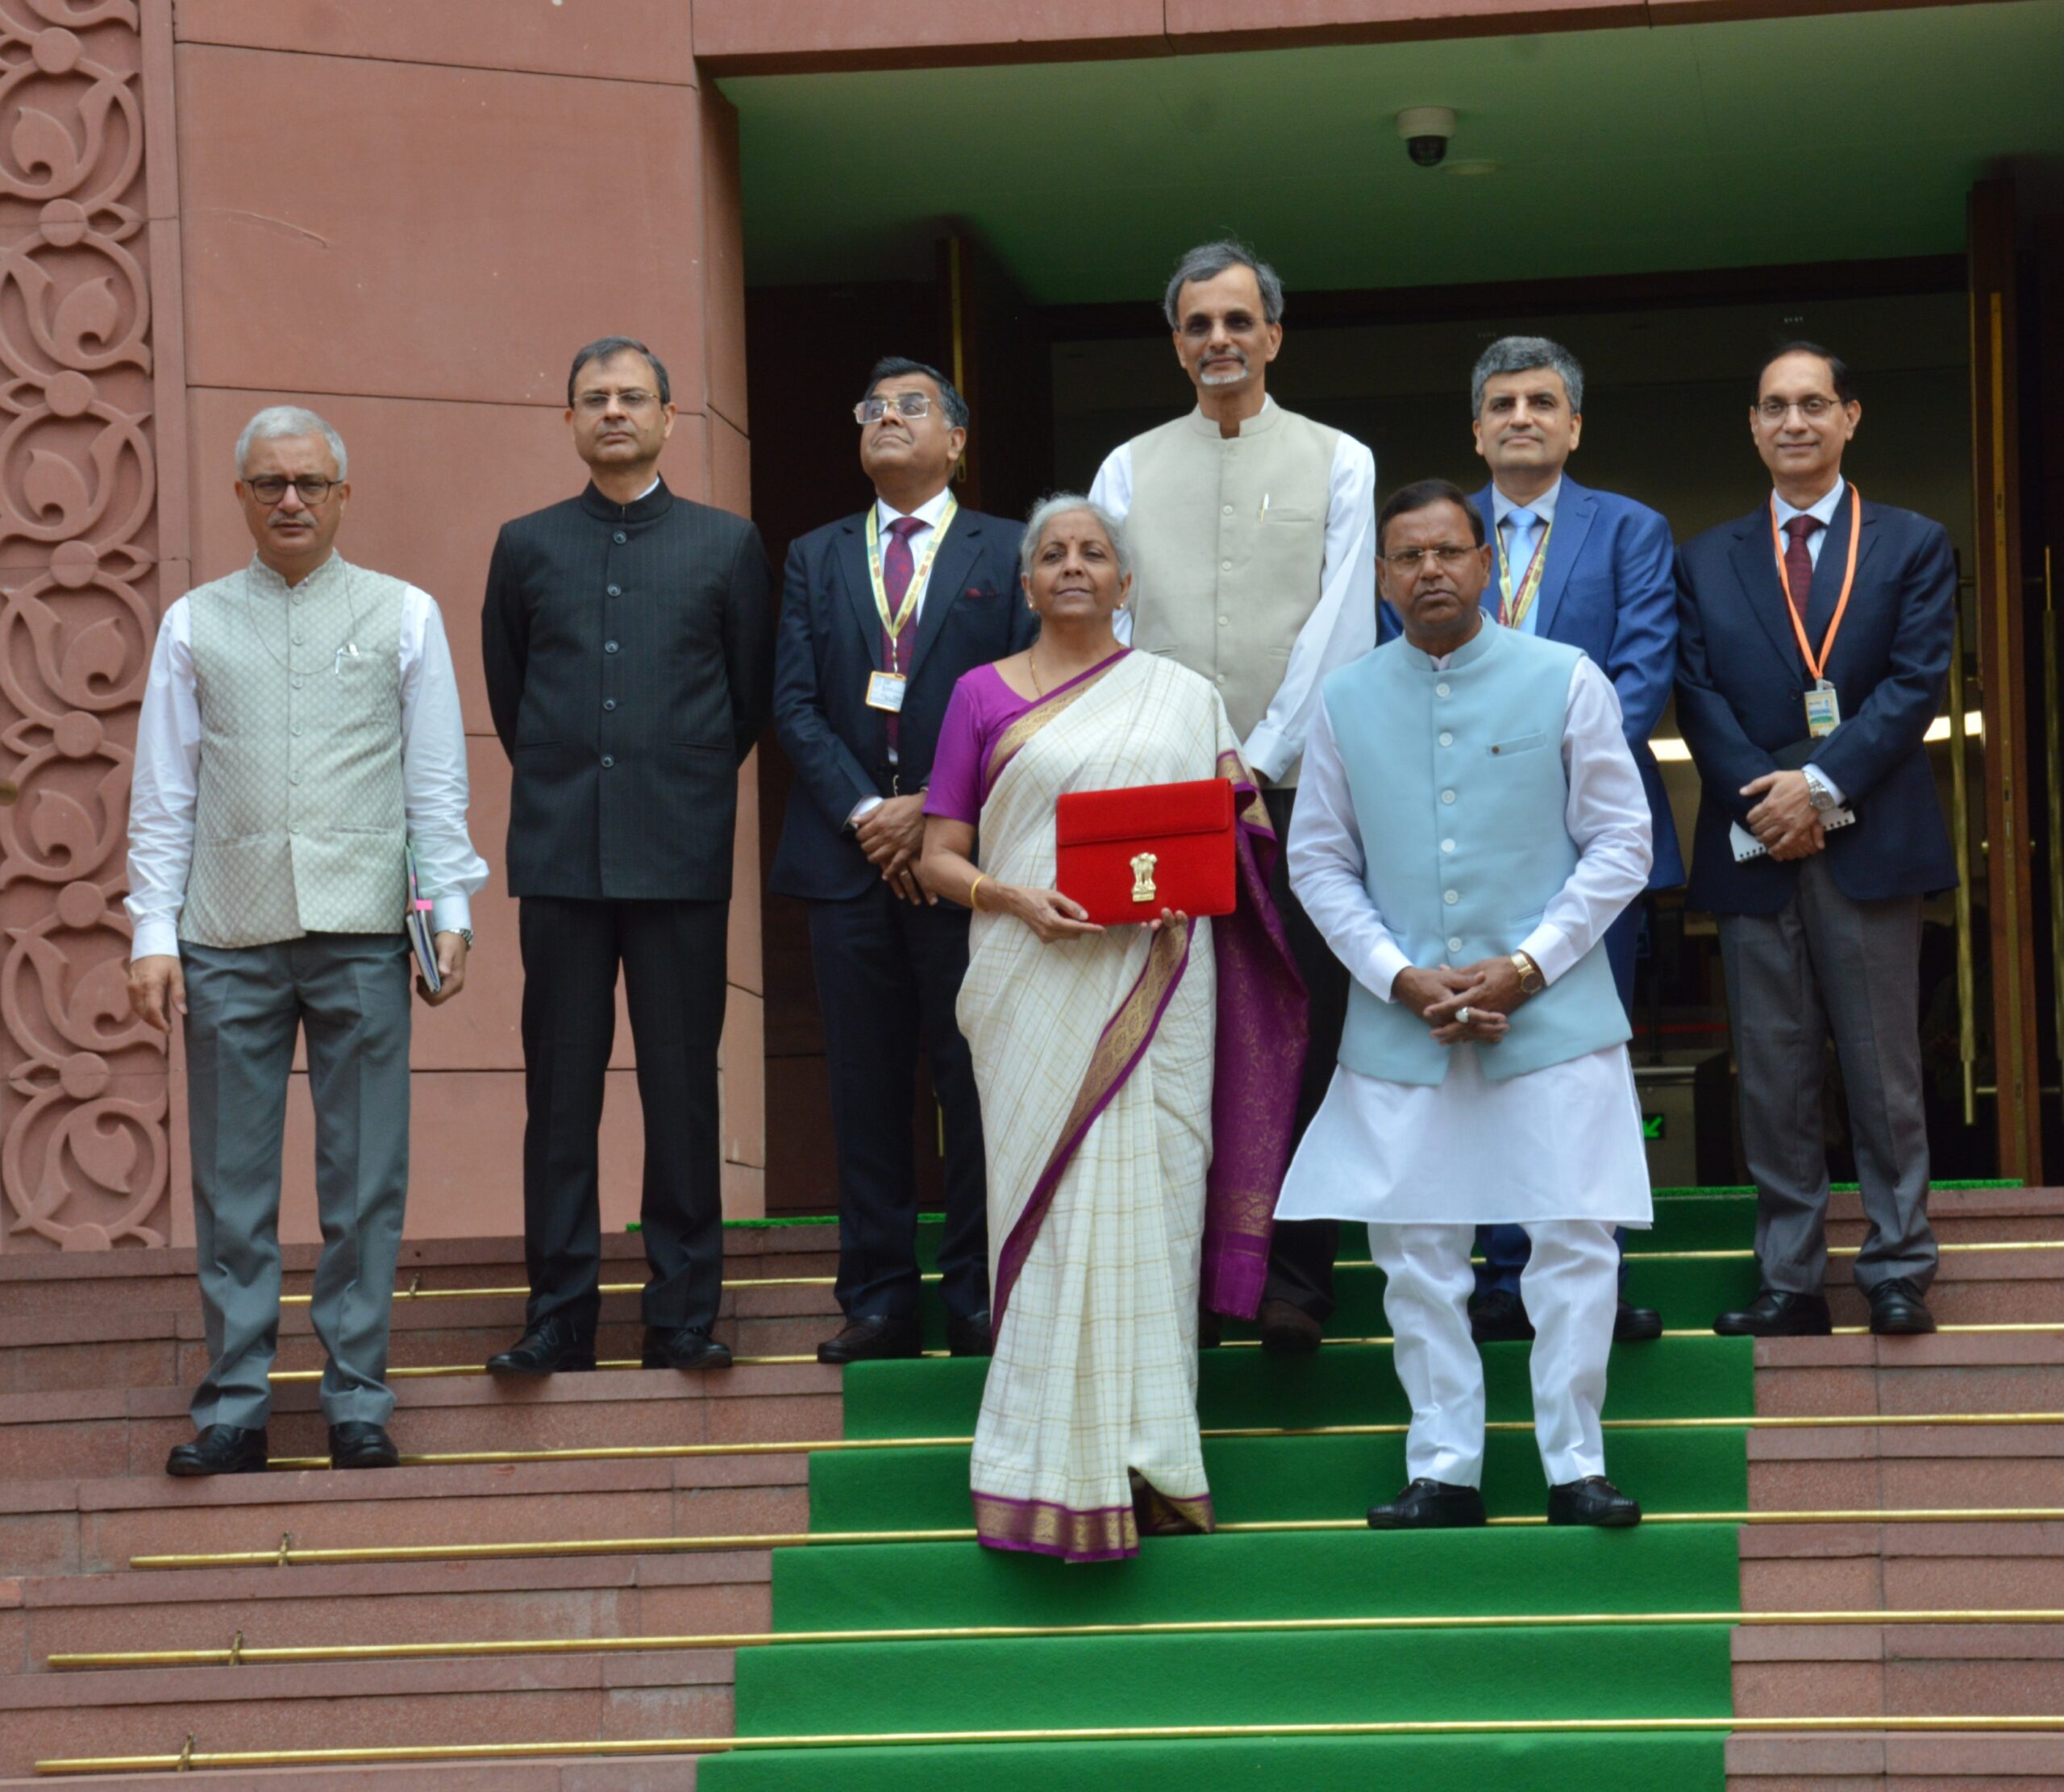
(1860, 1468)
(2013, 1285)
(1899, 1670)
(649, 1774)
(1964, 1216)
(341, 1704)
(92, 1526)
(1948, 1372)
(45, 1437)
(1985, 1566)
(1897, 1761)
(716, 1592)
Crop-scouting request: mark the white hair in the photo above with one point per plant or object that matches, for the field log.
(275, 421)
(1062, 504)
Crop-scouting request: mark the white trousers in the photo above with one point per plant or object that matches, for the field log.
(1571, 1288)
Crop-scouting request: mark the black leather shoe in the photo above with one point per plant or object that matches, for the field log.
(219, 1449)
(1288, 1331)
(546, 1348)
(1773, 1315)
(1210, 1329)
(1500, 1317)
(685, 1347)
(970, 1336)
(866, 1340)
(1429, 1506)
(1593, 1500)
(1898, 1311)
(357, 1444)
(1636, 1324)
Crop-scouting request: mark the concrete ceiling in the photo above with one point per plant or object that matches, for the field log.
(1853, 136)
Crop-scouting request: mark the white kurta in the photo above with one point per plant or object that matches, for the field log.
(1562, 1143)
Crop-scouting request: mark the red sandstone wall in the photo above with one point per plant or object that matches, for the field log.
(406, 216)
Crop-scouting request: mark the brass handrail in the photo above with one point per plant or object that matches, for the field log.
(2052, 717)
(1960, 828)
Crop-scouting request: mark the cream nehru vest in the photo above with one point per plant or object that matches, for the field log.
(299, 825)
(1229, 535)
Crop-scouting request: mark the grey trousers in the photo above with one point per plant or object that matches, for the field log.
(1826, 964)
(351, 992)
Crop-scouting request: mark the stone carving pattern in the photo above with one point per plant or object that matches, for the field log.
(84, 1150)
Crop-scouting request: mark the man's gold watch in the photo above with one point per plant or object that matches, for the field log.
(1531, 982)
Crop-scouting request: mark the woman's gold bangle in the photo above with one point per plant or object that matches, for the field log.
(980, 878)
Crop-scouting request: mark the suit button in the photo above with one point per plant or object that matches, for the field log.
(293, 777)
(607, 761)
(1440, 690)
(1225, 622)
(608, 703)
(1447, 845)
(1450, 897)
(1454, 945)
(620, 537)
(1224, 565)
(1446, 739)
(1447, 796)
(608, 647)
(1228, 511)
(297, 640)
(616, 591)
(296, 684)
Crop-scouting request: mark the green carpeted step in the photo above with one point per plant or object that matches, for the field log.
(1603, 1762)
(1293, 1574)
(1256, 1480)
(1303, 1676)
(1683, 1378)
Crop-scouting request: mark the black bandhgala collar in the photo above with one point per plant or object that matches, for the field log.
(655, 504)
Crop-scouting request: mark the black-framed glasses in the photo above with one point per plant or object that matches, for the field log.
(595, 403)
(911, 405)
(1776, 411)
(270, 487)
(1444, 553)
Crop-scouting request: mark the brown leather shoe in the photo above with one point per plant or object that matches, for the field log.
(870, 1340)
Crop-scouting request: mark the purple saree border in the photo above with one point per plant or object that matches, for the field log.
(1020, 731)
(1093, 1533)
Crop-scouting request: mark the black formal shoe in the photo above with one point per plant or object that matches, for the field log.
(1636, 1324)
(546, 1348)
(1898, 1311)
(1775, 1314)
(1500, 1317)
(357, 1444)
(1429, 1506)
(685, 1347)
(868, 1339)
(1288, 1331)
(970, 1336)
(1210, 1329)
(1593, 1500)
(219, 1449)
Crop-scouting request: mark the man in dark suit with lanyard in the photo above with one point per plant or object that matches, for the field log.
(881, 614)
(1815, 637)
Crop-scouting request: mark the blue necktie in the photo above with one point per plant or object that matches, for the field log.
(1519, 553)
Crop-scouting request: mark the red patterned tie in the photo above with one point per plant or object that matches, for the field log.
(897, 565)
(1799, 562)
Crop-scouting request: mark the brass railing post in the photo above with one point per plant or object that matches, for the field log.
(1960, 828)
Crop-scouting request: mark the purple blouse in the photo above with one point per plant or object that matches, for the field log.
(981, 708)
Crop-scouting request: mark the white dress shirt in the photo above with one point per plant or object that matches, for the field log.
(928, 513)
(1542, 510)
(1562, 1143)
(167, 781)
(1341, 628)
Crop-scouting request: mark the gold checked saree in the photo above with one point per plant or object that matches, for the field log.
(1138, 1094)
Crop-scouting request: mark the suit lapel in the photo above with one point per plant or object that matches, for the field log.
(860, 593)
(956, 556)
(1756, 568)
(1574, 508)
(1834, 562)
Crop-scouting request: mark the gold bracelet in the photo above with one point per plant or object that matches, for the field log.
(980, 878)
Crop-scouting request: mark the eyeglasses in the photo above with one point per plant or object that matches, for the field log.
(1446, 553)
(911, 404)
(595, 403)
(1776, 411)
(270, 487)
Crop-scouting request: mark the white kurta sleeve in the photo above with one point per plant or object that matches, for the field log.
(1607, 817)
(434, 767)
(1112, 489)
(1329, 869)
(163, 792)
(1343, 626)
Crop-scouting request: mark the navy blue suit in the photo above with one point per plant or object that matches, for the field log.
(888, 972)
(1606, 588)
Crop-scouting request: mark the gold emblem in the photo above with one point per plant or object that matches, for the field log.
(1143, 876)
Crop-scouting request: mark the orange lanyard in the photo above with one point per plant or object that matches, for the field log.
(1819, 667)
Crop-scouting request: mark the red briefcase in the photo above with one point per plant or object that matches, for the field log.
(1127, 854)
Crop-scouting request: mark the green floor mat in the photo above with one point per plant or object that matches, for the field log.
(1309, 1574)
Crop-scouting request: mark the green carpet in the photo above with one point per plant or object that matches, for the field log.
(1600, 1672)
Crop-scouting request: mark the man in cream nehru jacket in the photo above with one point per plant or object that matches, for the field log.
(1254, 530)
(300, 736)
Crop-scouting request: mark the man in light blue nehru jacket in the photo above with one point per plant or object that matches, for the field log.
(1471, 823)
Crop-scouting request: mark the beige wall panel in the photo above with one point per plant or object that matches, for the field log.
(741, 949)
(447, 239)
(620, 40)
(742, 1077)
(730, 468)
(723, 247)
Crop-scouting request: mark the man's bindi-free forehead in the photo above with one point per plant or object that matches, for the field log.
(625, 370)
(1234, 290)
(287, 455)
(1797, 376)
(892, 385)
(1431, 526)
(1536, 384)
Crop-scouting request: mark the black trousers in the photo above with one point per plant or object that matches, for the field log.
(673, 956)
(888, 975)
(1300, 1256)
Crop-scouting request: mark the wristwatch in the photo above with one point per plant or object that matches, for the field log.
(1819, 791)
(465, 933)
(1531, 982)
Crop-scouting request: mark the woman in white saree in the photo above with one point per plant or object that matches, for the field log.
(1110, 1062)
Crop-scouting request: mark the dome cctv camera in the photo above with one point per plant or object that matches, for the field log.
(1425, 129)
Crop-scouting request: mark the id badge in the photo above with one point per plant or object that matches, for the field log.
(1822, 710)
(886, 691)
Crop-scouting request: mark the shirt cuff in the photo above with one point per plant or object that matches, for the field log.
(155, 939)
(1265, 755)
(1387, 959)
(1550, 949)
(865, 807)
(1820, 780)
(451, 914)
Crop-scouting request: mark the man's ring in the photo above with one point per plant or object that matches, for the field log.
(1461, 1014)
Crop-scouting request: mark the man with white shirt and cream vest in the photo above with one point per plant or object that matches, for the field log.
(301, 737)
(1254, 531)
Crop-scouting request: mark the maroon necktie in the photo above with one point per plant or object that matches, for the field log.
(897, 565)
(1799, 562)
